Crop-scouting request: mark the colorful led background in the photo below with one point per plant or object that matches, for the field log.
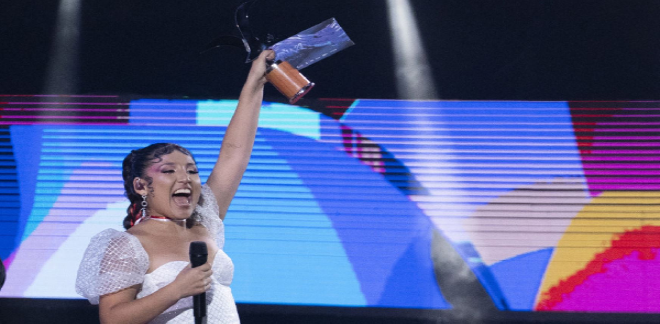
(551, 205)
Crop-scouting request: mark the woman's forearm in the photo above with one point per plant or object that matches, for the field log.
(239, 139)
(138, 311)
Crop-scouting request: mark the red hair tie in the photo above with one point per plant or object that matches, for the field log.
(133, 214)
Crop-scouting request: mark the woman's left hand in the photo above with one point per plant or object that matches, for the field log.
(258, 69)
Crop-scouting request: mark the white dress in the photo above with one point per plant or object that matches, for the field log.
(116, 260)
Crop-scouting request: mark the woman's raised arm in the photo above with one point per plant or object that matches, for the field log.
(239, 139)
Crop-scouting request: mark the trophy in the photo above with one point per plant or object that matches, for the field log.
(291, 55)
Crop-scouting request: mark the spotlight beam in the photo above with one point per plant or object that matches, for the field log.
(62, 70)
(413, 72)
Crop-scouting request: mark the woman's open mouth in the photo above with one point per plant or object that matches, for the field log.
(182, 197)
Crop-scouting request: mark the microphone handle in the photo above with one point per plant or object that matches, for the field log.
(199, 305)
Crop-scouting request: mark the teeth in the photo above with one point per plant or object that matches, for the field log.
(182, 191)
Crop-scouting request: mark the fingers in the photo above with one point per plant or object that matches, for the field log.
(204, 272)
(257, 73)
(203, 284)
(199, 275)
(204, 279)
(209, 281)
(270, 55)
(204, 267)
(206, 282)
(267, 55)
(193, 281)
(259, 65)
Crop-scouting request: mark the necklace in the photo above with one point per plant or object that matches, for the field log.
(165, 219)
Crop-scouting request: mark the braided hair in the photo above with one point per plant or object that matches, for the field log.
(134, 166)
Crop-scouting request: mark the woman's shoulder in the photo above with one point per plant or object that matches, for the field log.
(113, 236)
(113, 260)
(207, 211)
(208, 205)
(116, 235)
(137, 231)
(207, 214)
(114, 242)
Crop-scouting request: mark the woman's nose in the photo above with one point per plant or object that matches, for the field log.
(185, 177)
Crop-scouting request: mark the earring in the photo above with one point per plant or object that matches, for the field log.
(143, 213)
(144, 206)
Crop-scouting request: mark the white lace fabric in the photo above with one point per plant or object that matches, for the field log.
(116, 260)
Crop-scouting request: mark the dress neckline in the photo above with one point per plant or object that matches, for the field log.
(181, 261)
(166, 263)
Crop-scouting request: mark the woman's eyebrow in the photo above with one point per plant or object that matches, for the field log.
(172, 163)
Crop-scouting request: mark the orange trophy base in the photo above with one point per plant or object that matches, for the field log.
(289, 81)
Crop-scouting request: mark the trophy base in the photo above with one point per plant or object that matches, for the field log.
(301, 93)
(288, 81)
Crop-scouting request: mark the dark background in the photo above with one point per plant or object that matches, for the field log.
(486, 50)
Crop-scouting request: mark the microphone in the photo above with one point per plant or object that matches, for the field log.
(198, 256)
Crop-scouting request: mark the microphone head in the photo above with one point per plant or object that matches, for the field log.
(198, 253)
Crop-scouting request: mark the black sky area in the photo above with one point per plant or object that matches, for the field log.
(478, 50)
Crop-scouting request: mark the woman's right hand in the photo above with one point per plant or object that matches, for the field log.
(123, 307)
(193, 281)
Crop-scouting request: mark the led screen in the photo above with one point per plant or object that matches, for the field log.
(549, 205)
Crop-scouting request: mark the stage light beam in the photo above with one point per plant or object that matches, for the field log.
(413, 72)
(62, 70)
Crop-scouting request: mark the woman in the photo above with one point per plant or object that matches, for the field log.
(143, 274)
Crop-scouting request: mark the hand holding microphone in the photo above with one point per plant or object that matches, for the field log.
(193, 281)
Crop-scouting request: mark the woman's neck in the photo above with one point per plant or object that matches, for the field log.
(178, 222)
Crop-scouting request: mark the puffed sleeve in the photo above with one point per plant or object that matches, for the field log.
(207, 213)
(113, 261)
